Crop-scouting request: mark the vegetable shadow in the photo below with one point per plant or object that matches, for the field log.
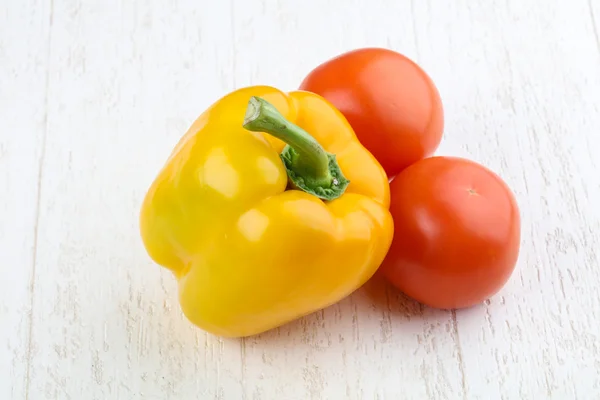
(382, 295)
(377, 304)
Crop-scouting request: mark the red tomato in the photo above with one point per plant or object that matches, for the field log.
(391, 103)
(457, 233)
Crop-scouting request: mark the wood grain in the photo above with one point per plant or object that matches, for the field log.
(93, 96)
(24, 48)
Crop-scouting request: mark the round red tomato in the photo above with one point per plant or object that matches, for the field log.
(456, 233)
(391, 103)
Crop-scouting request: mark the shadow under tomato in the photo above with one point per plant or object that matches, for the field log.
(382, 295)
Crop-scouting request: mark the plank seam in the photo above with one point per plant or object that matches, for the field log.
(38, 206)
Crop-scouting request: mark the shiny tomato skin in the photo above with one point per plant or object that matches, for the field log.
(456, 233)
(392, 104)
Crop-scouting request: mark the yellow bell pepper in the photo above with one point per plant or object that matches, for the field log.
(256, 238)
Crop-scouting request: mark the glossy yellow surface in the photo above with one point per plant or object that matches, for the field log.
(248, 254)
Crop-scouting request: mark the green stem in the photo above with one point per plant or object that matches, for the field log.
(308, 165)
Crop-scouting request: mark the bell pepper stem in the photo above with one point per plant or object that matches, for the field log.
(308, 165)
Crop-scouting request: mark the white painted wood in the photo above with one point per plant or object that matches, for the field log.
(93, 95)
(23, 115)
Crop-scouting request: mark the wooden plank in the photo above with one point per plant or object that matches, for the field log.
(24, 44)
(127, 80)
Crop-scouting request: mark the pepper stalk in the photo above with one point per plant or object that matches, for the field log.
(309, 167)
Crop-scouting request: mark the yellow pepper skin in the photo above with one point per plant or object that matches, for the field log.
(251, 253)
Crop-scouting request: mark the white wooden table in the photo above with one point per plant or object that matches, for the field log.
(93, 96)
